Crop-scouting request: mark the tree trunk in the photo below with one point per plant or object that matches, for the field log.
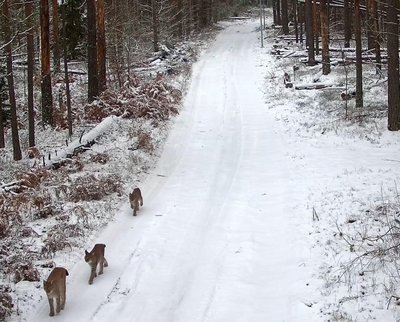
(347, 23)
(274, 12)
(10, 79)
(285, 20)
(154, 14)
(47, 96)
(369, 21)
(316, 26)
(324, 14)
(66, 78)
(2, 139)
(101, 46)
(56, 38)
(31, 62)
(295, 18)
(202, 14)
(278, 12)
(393, 65)
(374, 25)
(357, 32)
(177, 21)
(309, 32)
(93, 84)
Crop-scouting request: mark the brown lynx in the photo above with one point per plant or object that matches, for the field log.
(94, 258)
(135, 198)
(55, 288)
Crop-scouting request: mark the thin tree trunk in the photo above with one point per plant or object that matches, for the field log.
(101, 46)
(2, 139)
(316, 26)
(31, 62)
(309, 32)
(278, 12)
(93, 84)
(357, 27)
(347, 23)
(154, 8)
(369, 21)
(47, 96)
(56, 38)
(285, 20)
(324, 14)
(295, 18)
(375, 32)
(393, 65)
(10, 79)
(177, 19)
(66, 77)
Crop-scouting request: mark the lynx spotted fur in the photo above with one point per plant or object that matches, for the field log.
(55, 288)
(94, 258)
(135, 199)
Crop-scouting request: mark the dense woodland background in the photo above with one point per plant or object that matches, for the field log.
(370, 28)
(66, 65)
(112, 36)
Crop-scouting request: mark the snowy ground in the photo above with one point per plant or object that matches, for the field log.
(227, 230)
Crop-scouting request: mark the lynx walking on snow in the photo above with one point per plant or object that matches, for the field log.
(55, 288)
(135, 198)
(94, 258)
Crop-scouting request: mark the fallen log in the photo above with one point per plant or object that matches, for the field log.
(312, 86)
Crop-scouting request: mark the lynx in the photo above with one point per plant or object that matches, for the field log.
(135, 198)
(55, 288)
(94, 258)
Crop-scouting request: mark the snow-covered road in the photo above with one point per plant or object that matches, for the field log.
(218, 238)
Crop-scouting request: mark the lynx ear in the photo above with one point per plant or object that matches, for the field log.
(86, 252)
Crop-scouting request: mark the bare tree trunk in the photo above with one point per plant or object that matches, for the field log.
(93, 84)
(31, 62)
(393, 65)
(316, 26)
(369, 21)
(177, 20)
(374, 25)
(278, 12)
(56, 38)
(324, 13)
(101, 46)
(202, 14)
(47, 96)
(10, 79)
(154, 13)
(66, 78)
(347, 23)
(295, 18)
(309, 32)
(2, 139)
(285, 20)
(274, 12)
(359, 80)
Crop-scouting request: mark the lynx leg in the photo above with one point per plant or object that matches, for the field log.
(105, 262)
(51, 307)
(58, 306)
(141, 201)
(92, 274)
(101, 266)
(63, 296)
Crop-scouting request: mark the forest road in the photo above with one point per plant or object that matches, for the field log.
(217, 239)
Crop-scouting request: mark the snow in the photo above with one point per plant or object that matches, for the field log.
(226, 232)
